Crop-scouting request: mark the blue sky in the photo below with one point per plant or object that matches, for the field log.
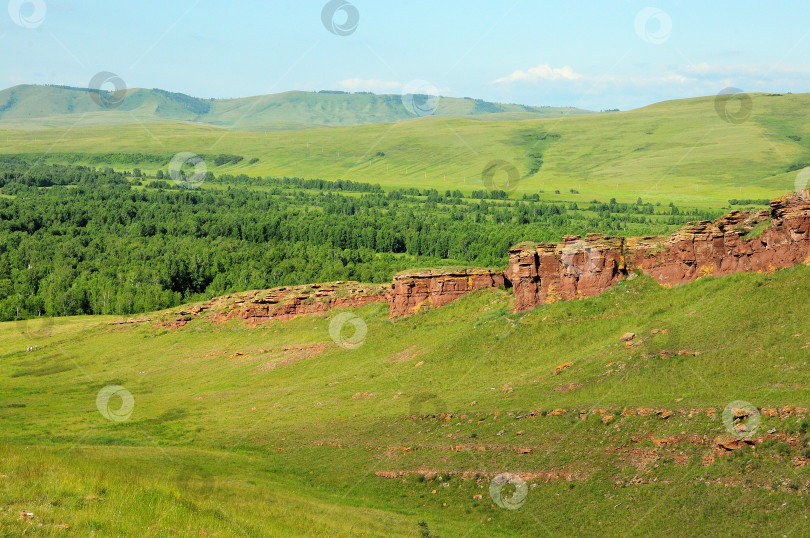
(592, 54)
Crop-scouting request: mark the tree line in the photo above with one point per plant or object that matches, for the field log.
(81, 240)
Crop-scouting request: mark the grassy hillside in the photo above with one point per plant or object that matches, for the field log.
(37, 107)
(276, 430)
(679, 151)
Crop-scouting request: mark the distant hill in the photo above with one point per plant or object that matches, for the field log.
(679, 151)
(32, 107)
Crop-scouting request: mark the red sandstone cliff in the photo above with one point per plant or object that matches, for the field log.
(546, 273)
(409, 293)
(413, 291)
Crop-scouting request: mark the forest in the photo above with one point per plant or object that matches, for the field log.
(83, 240)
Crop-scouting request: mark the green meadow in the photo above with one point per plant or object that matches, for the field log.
(676, 151)
(469, 420)
(277, 430)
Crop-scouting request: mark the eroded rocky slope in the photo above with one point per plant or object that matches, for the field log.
(543, 273)
(759, 241)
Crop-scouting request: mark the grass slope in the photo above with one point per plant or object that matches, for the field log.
(276, 430)
(679, 151)
(27, 107)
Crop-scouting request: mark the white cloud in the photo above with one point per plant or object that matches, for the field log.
(567, 75)
(642, 83)
(703, 77)
(371, 85)
(541, 72)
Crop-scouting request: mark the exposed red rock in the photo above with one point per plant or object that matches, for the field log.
(281, 303)
(408, 293)
(413, 291)
(289, 302)
(558, 370)
(545, 273)
(719, 248)
(727, 445)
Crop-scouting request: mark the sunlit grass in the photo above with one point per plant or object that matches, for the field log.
(239, 444)
(678, 151)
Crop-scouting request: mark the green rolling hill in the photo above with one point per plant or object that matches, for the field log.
(28, 106)
(231, 430)
(680, 151)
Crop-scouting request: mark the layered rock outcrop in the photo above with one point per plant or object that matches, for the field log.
(409, 293)
(543, 273)
(281, 303)
(289, 302)
(722, 248)
(414, 291)
(758, 241)
(546, 272)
